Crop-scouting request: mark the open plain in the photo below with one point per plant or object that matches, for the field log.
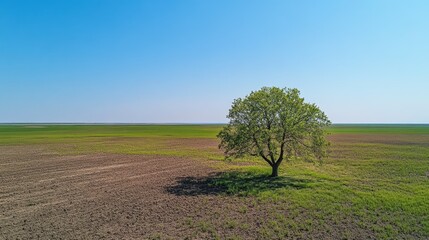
(171, 182)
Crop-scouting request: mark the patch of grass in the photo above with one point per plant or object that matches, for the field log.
(141, 146)
(380, 128)
(33, 134)
(256, 181)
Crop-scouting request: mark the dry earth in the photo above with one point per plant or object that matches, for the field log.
(44, 195)
(47, 196)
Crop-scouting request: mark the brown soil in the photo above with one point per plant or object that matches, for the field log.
(47, 196)
(100, 196)
(87, 196)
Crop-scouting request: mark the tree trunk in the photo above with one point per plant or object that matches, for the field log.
(275, 171)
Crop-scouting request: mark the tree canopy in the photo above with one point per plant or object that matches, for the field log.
(275, 124)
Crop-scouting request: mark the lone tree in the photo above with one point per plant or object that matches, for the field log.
(275, 124)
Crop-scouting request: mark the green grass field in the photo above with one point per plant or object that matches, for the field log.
(376, 177)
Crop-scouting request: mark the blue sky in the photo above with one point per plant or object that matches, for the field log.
(185, 61)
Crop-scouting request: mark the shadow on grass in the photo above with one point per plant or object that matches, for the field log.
(234, 183)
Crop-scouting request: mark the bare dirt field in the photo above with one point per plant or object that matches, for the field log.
(48, 196)
(112, 196)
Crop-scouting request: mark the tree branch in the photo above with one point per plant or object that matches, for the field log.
(260, 151)
(282, 146)
(266, 159)
(269, 150)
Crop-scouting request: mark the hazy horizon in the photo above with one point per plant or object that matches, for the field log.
(178, 123)
(185, 61)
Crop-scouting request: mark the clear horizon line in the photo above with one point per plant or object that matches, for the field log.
(189, 123)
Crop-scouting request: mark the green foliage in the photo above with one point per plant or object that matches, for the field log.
(275, 124)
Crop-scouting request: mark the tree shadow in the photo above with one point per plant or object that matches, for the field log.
(234, 183)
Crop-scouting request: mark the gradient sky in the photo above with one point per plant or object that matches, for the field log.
(185, 61)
